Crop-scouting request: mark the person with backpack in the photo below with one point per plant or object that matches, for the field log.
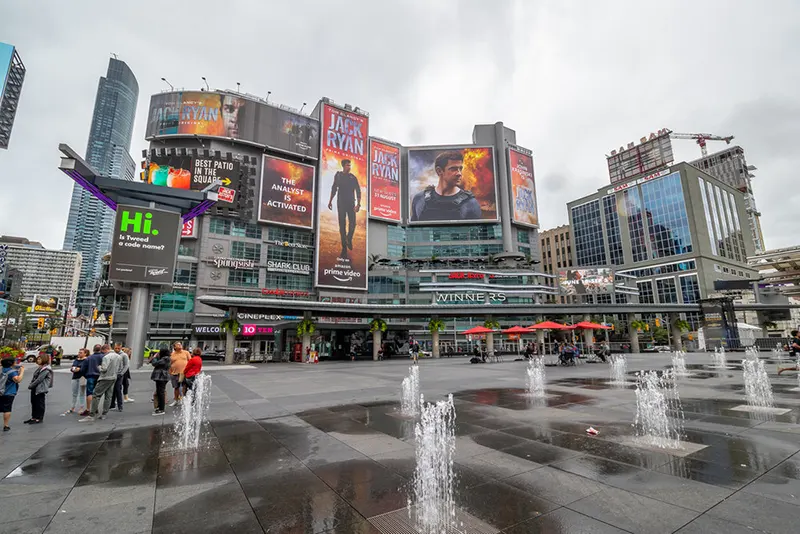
(160, 375)
(9, 385)
(40, 385)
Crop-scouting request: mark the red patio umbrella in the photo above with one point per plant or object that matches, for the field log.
(549, 325)
(517, 330)
(477, 330)
(587, 325)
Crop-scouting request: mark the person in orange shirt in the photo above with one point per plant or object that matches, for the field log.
(177, 363)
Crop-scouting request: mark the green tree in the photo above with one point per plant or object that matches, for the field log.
(661, 335)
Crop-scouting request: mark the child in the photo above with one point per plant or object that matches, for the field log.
(193, 368)
(12, 376)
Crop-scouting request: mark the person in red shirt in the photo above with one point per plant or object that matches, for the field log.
(192, 369)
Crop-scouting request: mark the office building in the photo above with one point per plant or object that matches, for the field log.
(676, 230)
(556, 253)
(12, 75)
(90, 223)
(730, 167)
(33, 270)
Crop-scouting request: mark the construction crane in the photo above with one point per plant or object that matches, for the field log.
(701, 139)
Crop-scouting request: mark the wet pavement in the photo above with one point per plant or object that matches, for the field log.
(312, 449)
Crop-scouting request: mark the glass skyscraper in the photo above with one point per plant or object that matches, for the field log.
(91, 222)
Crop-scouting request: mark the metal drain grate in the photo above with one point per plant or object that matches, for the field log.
(401, 522)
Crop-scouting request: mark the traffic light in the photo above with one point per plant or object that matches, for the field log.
(658, 322)
(54, 331)
(110, 320)
(40, 323)
(94, 315)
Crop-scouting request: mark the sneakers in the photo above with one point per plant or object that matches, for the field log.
(68, 412)
(6, 428)
(87, 419)
(85, 413)
(173, 404)
(129, 400)
(158, 412)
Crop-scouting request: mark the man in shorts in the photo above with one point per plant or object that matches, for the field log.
(178, 360)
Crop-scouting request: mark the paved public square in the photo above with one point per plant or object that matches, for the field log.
(298, 448)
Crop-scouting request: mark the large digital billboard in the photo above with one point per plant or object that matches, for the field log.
(43, 304)
(287, 193)
(652, 153)
(586, 281)
(145, 245)
(227, 115)
(384, 181)
(341, 197)
(6, 56)
(523, 189)
(193, 172)
(451, 184)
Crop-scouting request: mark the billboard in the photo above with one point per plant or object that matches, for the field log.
(451, 184)
(287, 193)
(232, 116)
(523, 189)
(586, 281)
(192, 172)
(341, 192)
(145, 245)
(384, 181)
(45, 304)
(6, 56)
(652, 153)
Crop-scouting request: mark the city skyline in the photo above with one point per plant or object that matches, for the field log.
(532, 69)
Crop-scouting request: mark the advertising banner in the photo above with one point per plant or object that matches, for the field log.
(45, 304)
(341, 195)
(384, 181)
(191, 172)
(586, 281)
(6, 56)
(523, 188)
(652, 153)
(189, 229)
(451, 184)
(230, 116)
(287, 193)
(145, 245)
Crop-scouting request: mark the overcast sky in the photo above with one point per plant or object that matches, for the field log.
(574, 79)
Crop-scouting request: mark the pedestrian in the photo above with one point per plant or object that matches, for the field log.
(78, 388)
(40, 384)
(116, 397)
(794, 344)
(178, 360)
(91, 370)
(160, 375)
(192, 369)
(9, 385)
(109, 369)
(126, 382)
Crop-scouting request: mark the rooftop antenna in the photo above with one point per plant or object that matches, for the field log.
(268, 93)
(237, 87)
(206, 82)
(301, 109)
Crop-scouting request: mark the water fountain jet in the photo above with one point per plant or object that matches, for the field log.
(193, 413)
(536, 377)
(659, 414)
(619, 369)
(410, 401)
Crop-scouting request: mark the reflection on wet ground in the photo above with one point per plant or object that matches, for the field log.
(521, 467)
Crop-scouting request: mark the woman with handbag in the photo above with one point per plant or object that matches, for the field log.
(40, 384)
(160, 376)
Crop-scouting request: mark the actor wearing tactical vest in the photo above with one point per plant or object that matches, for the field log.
(446, 201)
(348, 203)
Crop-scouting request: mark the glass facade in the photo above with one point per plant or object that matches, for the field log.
(666, 291)
(666, 216)
(243, 277)
(690, 289)
(677, 267)
(587, 231)
(296, 282)
(715, 218)
(176, 301)
(612, 229)
(235, 228)
(387, 284)
(633, 207)
(646, 295)
(739, 234)
(185, 273)
(299, 237)
(294, 255)
(246, 251)
(709, 221)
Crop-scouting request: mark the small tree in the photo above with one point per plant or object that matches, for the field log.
(491, 323)
(306, 326)
(229, 324)
(377, 324)
(639, 325)
(660, 335)
(435, 325)
(682, 325)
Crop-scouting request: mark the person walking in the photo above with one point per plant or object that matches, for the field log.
(78, 389)
(178, 360)
(91, 370)
(40, 384)
(126, 381)
(116, 397)
(160, 375)
(9, 385)
(193, 368)
(109, 369)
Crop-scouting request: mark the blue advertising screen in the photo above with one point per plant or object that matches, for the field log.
(6, 54)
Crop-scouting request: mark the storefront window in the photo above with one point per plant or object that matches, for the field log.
(177, 301)
(243, 277)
